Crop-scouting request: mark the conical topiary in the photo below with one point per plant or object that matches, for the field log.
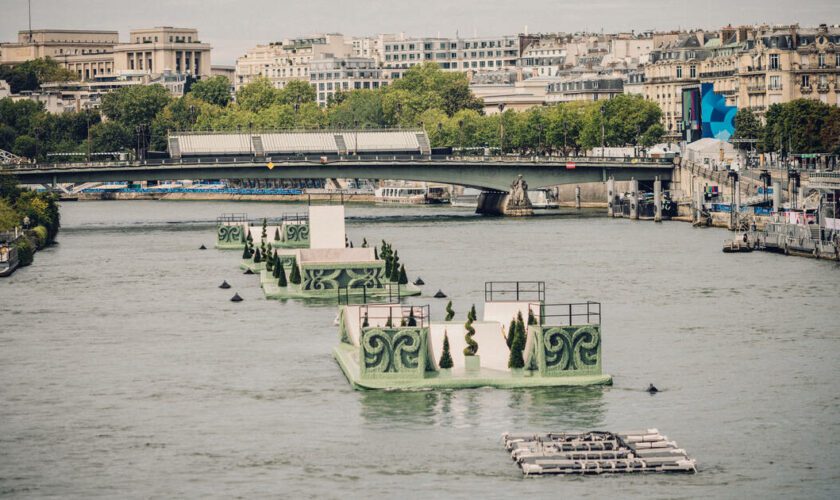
(472, 345)
(395, 267)
(511, 332)
(269, 262)
(280, 272)
(403, 278)
(277, 234)
(450, 313)
(412, 321)
(294, 274)
(472, 313)
(518, 345)
(246, 253)
(532, 320)
(445, 356)
(365, 322)
(375, 254)
(257, 256)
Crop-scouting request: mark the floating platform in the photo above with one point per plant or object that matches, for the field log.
(597, 452)
(396, 346)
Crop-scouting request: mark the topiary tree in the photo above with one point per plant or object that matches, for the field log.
(375, 254)
(277, 234)
(389, 323)
(364, 243)
(450, 313)
(246, 253)
(264, 236)
(472, 345)
(365, 322)
(269, 262)
(257, 256)
(403, 278)
(517, 346)
(472, 313)
(249, 239)
(532, 320)
(511, 332)
(294, 274)
(395, 267)
(412, 321)
(445, 356)
(280, 273)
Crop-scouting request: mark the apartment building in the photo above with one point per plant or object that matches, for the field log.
(163, 49)
(330, 75)
(282, 62)
(470, 55)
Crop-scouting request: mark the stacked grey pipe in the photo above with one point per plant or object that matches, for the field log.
(597, 452)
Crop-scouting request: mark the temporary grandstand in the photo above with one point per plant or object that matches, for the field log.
(295, 143)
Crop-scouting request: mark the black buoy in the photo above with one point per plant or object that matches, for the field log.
(440, 295)
(652, 389)
(236, 298)
(419, 281)
(224, 285)
(202, 247)
(248, 271)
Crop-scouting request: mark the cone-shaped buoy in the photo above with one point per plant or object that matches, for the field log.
(419, 281)
(248, 271)
(202, 247)
(652, 389)
(440, 295)
(224, 285)
(236, 298)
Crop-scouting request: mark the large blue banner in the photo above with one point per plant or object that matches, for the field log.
(718, 119)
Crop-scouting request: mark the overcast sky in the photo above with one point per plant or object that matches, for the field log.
(232, 26)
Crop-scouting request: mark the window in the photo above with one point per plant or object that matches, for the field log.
(692, 71)
(773, 61)
(821, 59)
(775, 83)
(679, 71)
(806, 80)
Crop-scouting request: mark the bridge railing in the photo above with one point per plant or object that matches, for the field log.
(325, 159)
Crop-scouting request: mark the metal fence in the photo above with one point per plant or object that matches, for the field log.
(508, 291)
(578, 313)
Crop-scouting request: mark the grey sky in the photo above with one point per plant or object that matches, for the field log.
(232, 26)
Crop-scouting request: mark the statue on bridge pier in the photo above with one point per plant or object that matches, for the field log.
(518, 203)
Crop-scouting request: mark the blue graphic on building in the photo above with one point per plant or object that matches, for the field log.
(718, 119)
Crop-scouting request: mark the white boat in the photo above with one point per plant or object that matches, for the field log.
(542, 199)
(412, 195)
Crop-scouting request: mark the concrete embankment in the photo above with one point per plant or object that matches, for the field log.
(292, 198)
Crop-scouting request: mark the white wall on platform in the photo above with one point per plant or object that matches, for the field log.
(492, 348)
(336, 255)
(326, 226)
(504, 312)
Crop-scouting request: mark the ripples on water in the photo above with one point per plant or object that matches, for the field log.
(126, 372)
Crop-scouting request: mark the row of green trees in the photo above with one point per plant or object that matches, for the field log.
(139, 117)
(36, 212)
(800, 126)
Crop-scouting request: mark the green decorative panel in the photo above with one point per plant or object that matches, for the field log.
(335, 276)
(287, 262)
(568, 350)
(393, 352)
(229, 235)
(296, 233)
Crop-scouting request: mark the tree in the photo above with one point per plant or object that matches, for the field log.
(110, 136)
(402, 278)
(281, 274)
(532, 320)
(511, 332)
(394, 275)
(472, 313)
(277, 234)
(214, 90)
(516, 360)
(25, 146)
(9, 218)
(747, 126)
(450, 313)
(257, 95)
(136, 104)
(31, 74)
(412, 321)
(358, 109)
(297, 92)
(472, 345)
(626, 119)
(445, 356)
(257, 256)
(294, 275)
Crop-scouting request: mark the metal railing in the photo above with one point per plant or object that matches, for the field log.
(570, 314)
(409, 316)
(228, 218)
(345, 296)
(509, 291)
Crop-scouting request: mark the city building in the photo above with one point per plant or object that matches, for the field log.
(164, 49)
(586, 88)
(282, 62)
(469, 55)
(331, 74)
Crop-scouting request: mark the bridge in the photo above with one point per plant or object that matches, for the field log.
(365, 154)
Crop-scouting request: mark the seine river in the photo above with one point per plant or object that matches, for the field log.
(126, 372)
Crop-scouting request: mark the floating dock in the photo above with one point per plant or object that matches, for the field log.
(597, 452)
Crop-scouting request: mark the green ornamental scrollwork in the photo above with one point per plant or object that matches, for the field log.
(571, 348)
(391, 350)
(297, 233)
(370, 277)
(230, 234)
(320, 279)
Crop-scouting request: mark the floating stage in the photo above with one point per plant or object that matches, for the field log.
(309, 257)
(597, 452)
(397, 347)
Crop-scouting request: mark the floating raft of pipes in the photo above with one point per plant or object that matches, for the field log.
(597, 453)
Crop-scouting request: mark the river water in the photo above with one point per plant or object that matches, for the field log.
(126, 372)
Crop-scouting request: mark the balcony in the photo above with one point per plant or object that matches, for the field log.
(806, 89)
(756, 89)
(822, 88)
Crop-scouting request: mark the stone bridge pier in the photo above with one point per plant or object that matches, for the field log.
(513, 203)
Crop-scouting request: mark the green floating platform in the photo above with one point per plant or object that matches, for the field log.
(347, 357)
